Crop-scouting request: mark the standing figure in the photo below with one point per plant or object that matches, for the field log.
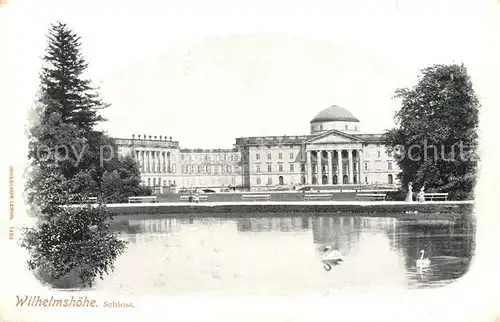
(409, 196)
(421, 196)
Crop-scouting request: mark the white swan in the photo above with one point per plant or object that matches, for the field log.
(423, 262)
(330, 258)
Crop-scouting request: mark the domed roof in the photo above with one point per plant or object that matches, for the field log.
(334, 113)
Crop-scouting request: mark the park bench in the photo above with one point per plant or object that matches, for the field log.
(91, 199)
(200, 198)
(256, 197)
(141, 199)
(318, 196)
(371, 196)
(435, 196)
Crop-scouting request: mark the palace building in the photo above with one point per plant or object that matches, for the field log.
(334, 153)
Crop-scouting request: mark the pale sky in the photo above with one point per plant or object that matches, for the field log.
(206, 72)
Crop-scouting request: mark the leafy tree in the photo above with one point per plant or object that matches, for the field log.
(123, 181)
(436, 133)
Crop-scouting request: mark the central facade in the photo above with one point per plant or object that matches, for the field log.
(334, 153)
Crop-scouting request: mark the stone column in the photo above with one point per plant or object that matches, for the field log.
(141, 160)
(309, 167)
(146, 163)
(150, 162)
(340, 179)
(159, 163)
(330, 168)
(320, 173)
(351, 167)
(153, 161)
(361, 166)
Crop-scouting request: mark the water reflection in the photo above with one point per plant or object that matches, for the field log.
(273, 224)
(283, 255)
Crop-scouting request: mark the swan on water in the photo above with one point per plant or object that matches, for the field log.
(423, 262)
(331, 257)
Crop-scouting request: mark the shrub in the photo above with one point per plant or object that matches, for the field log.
(73, 248)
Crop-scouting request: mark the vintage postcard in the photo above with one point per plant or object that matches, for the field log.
(249, 161)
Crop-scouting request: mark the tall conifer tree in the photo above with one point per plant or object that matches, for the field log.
(69, 247)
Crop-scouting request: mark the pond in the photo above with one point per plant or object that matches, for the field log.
(283, 255)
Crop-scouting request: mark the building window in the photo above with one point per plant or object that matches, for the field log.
(366, 165)
(269, 157)
(366, 179)
(193, 169)
(154, 181)
(378, 154)
(355, 127)
(291, 156)
(149, 182)
(228, 169)
(280, 167)
(280, 155)
(389, 165)
(173, 169)
(269, 168)
(303, 167)
(257, 169)
(269, 180)
(182, 157)
(291, 167)
(200, 169)
(257, 156)
(258, 180)
(346, 127)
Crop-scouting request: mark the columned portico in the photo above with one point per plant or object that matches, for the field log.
(348, 164)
